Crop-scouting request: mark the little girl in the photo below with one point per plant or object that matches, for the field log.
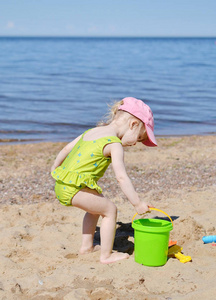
(82, 162)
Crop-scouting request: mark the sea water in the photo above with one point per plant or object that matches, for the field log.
(52, 89)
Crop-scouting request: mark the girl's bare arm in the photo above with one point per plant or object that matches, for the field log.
(117, 155)
(63, 153)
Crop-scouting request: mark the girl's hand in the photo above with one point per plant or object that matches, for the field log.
(142, 208)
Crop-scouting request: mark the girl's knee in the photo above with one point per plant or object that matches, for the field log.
(112, 210)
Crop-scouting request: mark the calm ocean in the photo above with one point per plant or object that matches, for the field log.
(52, 89)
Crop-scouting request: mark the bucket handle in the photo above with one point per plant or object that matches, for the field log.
(157, 209)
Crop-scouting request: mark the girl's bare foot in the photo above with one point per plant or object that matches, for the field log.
(89, 250)
(114, 257)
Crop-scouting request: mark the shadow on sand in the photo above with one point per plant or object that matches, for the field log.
(121, 242)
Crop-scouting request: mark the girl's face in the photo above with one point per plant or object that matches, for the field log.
(135, 133)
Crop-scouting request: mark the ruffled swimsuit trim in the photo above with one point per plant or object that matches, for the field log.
(76, 179)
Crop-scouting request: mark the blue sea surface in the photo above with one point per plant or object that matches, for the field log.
(52, 89)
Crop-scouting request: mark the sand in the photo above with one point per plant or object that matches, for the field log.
(40, 238)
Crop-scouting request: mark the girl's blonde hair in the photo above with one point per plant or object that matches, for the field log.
(113, 110)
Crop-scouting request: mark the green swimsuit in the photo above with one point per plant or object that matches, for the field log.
(83, 167)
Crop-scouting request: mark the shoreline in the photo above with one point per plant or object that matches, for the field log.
(41, 238)
(14, 141)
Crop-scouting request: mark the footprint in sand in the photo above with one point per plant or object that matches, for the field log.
(71, 256)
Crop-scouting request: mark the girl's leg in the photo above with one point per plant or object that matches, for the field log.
(89, 226)
(96, 204)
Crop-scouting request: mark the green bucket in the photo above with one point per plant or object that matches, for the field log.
(151, 241)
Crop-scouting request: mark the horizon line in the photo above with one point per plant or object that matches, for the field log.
(106, 36)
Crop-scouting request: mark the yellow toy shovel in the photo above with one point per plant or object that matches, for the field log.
(175, 251)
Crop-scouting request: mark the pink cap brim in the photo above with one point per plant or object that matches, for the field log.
(151, 141)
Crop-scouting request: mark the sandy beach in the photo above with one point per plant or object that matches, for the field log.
(40, 238)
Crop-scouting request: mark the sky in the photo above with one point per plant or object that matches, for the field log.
(132, 18)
